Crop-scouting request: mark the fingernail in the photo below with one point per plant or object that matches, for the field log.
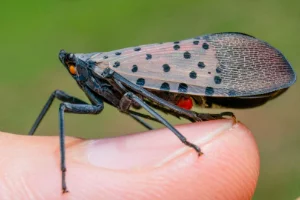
(146, 150)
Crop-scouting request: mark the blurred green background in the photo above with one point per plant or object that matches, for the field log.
(33, 32)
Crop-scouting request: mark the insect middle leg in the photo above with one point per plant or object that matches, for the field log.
(61, 95)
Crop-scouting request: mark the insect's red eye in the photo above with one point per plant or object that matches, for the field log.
(72, 69)
(186, 103)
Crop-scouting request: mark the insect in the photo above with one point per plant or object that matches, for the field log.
(232, 70)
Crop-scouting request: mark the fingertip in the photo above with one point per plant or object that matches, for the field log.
(230, 167)
(152, 164)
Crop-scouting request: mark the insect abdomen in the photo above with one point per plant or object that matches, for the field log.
(237, 102)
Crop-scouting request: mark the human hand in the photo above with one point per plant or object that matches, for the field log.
(150, 165)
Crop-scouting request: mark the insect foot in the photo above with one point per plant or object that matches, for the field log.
(158, 117)
(187, 143)
(206, 116)
(229, 114)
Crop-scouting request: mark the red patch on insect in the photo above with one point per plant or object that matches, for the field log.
(186, 103)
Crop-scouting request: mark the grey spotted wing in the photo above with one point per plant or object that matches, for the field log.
(224, 64)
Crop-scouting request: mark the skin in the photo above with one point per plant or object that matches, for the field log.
(149, 165)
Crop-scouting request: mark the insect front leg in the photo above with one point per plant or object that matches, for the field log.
(70, 105)
(78, 109)
(125, 104)
(61, 95)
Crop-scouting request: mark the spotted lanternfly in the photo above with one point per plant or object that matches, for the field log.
(224, 69)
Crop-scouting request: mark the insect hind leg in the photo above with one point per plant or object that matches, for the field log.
(132, 97)
(139, 120)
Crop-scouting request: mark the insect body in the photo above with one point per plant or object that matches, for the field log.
(224, 69)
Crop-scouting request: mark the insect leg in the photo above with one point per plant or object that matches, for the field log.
(71, 108)
(78, 109)
(139, 120)
(59, 95)
(142, 115)
(133, 97)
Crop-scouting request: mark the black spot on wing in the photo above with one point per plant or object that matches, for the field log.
(218, 70)
(193, 75)
(137, 48)
(176, 47)
(165, 86)
(183, 88)
(209, 91)
(134, 68)
(196, 42)
(166, 67)
(140, 82)
(201, 65)
(187, 55)
(148, 56)
(118, 53)
(217, 80)
(105, 57)
(205, 46)
(116, 64)
(232, 93)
